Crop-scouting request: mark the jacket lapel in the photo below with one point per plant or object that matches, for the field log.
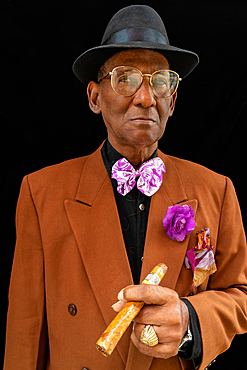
(90, 216)
(158, 247)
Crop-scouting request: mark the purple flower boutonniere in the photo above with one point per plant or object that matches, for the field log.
(179, 221)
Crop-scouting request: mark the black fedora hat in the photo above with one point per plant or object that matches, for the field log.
(133, 27)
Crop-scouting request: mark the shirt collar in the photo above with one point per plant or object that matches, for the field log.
(110, 156)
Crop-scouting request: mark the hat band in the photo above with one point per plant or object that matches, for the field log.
(136, 34)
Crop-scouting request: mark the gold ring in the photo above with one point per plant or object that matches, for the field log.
(148, 336)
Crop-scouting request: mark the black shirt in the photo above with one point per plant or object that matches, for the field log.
(133, 209)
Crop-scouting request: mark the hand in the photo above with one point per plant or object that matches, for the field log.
(164, 311)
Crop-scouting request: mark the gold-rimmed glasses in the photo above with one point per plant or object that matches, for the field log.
(127, 80)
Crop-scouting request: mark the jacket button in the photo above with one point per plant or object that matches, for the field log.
(72, 310)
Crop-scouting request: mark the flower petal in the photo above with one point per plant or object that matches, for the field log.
(179, 221)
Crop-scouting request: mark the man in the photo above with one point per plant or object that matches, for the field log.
(86, 231)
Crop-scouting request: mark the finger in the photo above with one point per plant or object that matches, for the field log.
(171, 336)
(165, 351)
(138, 328)
(150, 294)
(149, 351)
(118, 306)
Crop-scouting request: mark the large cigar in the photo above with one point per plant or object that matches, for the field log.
(113, 333)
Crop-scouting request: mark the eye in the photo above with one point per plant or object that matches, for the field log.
(125, 78)
(160, 81)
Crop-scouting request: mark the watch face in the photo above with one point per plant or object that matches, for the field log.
(186, 343)
(186, 346)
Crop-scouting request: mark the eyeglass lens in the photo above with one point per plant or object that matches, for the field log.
(127, 80)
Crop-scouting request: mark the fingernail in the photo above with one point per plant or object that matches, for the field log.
(115, 304)
(120, 296)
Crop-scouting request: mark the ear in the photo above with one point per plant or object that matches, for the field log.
(172, 103)
(93, 93)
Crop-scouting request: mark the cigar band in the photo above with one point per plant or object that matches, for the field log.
(152, 279)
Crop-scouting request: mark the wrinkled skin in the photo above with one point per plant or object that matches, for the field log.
(134, 123)
(164, 310)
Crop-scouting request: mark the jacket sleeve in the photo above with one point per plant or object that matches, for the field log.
(222, 309)
(26, 335)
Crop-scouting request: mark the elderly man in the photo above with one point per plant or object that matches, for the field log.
(90, 229)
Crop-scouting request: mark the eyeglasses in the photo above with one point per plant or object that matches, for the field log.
(127, 80)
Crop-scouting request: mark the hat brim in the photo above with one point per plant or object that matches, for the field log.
(87, 65)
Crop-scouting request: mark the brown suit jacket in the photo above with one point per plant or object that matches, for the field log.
(70, 250)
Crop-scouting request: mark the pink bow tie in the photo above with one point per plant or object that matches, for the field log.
(150, 176)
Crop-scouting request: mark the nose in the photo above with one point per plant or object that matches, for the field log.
(144, 96)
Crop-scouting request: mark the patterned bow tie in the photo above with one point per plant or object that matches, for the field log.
(150, 176)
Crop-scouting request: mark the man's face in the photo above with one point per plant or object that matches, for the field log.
(138, 120)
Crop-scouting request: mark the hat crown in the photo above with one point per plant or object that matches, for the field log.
(133, 27)
(135, 17)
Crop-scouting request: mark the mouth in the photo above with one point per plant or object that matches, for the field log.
(142, 120)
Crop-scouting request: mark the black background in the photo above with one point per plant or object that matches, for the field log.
(45, 118)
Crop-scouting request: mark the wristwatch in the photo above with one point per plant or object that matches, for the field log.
(186, 342)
